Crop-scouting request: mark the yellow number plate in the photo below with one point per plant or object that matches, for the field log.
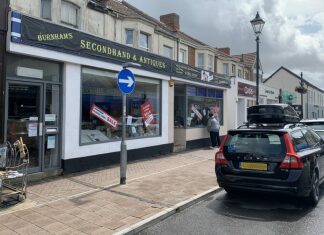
(254, 166)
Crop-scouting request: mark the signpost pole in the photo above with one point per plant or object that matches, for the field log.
(123, 146)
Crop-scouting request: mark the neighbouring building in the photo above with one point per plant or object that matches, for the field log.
(287, 81)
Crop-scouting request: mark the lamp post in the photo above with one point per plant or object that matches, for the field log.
(301, 95)
(257, 25)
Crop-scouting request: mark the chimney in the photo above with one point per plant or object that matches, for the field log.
(171, 20)
(225, 50)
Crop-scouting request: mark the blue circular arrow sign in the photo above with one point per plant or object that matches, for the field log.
(126, 81)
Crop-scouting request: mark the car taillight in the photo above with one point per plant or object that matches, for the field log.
(291, 160)
(219, 156)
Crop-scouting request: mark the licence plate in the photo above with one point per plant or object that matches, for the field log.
(254, 166)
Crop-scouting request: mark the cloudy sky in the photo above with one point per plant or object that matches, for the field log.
(293, 35)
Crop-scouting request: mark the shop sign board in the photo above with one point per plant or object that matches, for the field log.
(126, 81)
(246, 90)
(147, 113)
(103, 116)
(38, 33)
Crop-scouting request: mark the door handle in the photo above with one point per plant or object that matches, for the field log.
(40, 130)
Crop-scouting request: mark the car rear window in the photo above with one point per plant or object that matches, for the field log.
(258, 143)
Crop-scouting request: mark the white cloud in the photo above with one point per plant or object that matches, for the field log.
(293, 35)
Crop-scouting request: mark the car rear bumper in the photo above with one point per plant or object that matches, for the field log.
(297, 185)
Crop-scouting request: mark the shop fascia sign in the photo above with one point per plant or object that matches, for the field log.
(244, 89)
(269, 92)
(288, 97)
(38, 33)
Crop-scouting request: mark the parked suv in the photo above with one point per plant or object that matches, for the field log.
(272, 153)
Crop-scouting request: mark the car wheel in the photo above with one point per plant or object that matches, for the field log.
(313, 197)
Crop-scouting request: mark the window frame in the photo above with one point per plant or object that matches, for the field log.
(76, 8)
(132, 31)
(227, 69)
(147, 41)
(183, 53)
(42, 11)
(210, 63)
(201, 66)
(165, 48)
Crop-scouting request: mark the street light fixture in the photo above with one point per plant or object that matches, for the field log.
(257, 25)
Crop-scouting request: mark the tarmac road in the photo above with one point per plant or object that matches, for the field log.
(245, 213)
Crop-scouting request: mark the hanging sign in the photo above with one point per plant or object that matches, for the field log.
(103, 116)
(147, 113)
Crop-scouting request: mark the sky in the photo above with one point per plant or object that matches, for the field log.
(293, 35)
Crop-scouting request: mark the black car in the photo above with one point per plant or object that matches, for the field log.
(272, 156)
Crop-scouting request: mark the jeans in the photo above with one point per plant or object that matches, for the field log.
(214, 138)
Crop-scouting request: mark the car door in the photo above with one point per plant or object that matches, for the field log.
(317, 144)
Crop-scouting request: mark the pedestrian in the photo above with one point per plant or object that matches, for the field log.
(213, 129)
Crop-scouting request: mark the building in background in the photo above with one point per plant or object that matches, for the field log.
(287, 81)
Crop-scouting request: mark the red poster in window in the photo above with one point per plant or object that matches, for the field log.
(103, 116)
(147, 113)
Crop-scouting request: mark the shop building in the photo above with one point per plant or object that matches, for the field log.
(61, 70)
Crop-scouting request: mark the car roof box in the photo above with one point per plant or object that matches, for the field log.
(272, 113)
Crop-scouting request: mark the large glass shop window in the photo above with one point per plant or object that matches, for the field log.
(102, 108)
(201, 102)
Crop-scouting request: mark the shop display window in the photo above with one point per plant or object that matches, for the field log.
(201, 102)
(102, 108)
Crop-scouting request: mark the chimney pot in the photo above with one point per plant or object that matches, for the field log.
(171, 20)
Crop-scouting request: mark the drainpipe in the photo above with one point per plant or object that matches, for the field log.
(178, 41)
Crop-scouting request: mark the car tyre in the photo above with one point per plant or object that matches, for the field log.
(313, 197)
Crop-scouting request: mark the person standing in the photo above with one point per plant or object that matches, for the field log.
(213, 129)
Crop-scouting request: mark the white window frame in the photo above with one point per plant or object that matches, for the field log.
(72, 6)
(233, 70)
(182, 53)
(210, 63)
(44, 3)
(129, 30)
(225, 72)
(148, 41)
(203, 60)
(168, 51)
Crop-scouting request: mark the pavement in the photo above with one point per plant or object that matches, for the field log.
(93, 202)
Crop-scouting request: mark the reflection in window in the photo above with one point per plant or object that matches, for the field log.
(100, 90)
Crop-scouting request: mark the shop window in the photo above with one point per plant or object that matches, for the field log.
(201, 61)
(69, 14)
(129, 35)
(46, 9)
(182, 56)
(168, 52)
(144, 41)
(201, 102)
(179, 106)
(102, 108)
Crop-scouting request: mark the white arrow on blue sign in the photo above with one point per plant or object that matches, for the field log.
(126, 81)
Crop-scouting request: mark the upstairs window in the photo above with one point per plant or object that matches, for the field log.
(201, 60)
(168, 52)
(144, 41)
(239, 73)
(210, 63)
(69, 14)
(233, 70)
(225, 69)
(46, 9)
(182, 56)
(129, 37)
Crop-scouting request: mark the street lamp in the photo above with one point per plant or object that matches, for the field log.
(257, 25)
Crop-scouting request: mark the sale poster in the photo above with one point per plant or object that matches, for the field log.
(147, 113)
(103, 116)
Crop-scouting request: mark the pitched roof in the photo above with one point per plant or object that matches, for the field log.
(295, 75)
(248, 59)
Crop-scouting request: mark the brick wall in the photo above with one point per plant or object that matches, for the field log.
(191, 56)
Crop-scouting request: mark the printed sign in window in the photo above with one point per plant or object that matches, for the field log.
(147, 113)
(103, 116)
